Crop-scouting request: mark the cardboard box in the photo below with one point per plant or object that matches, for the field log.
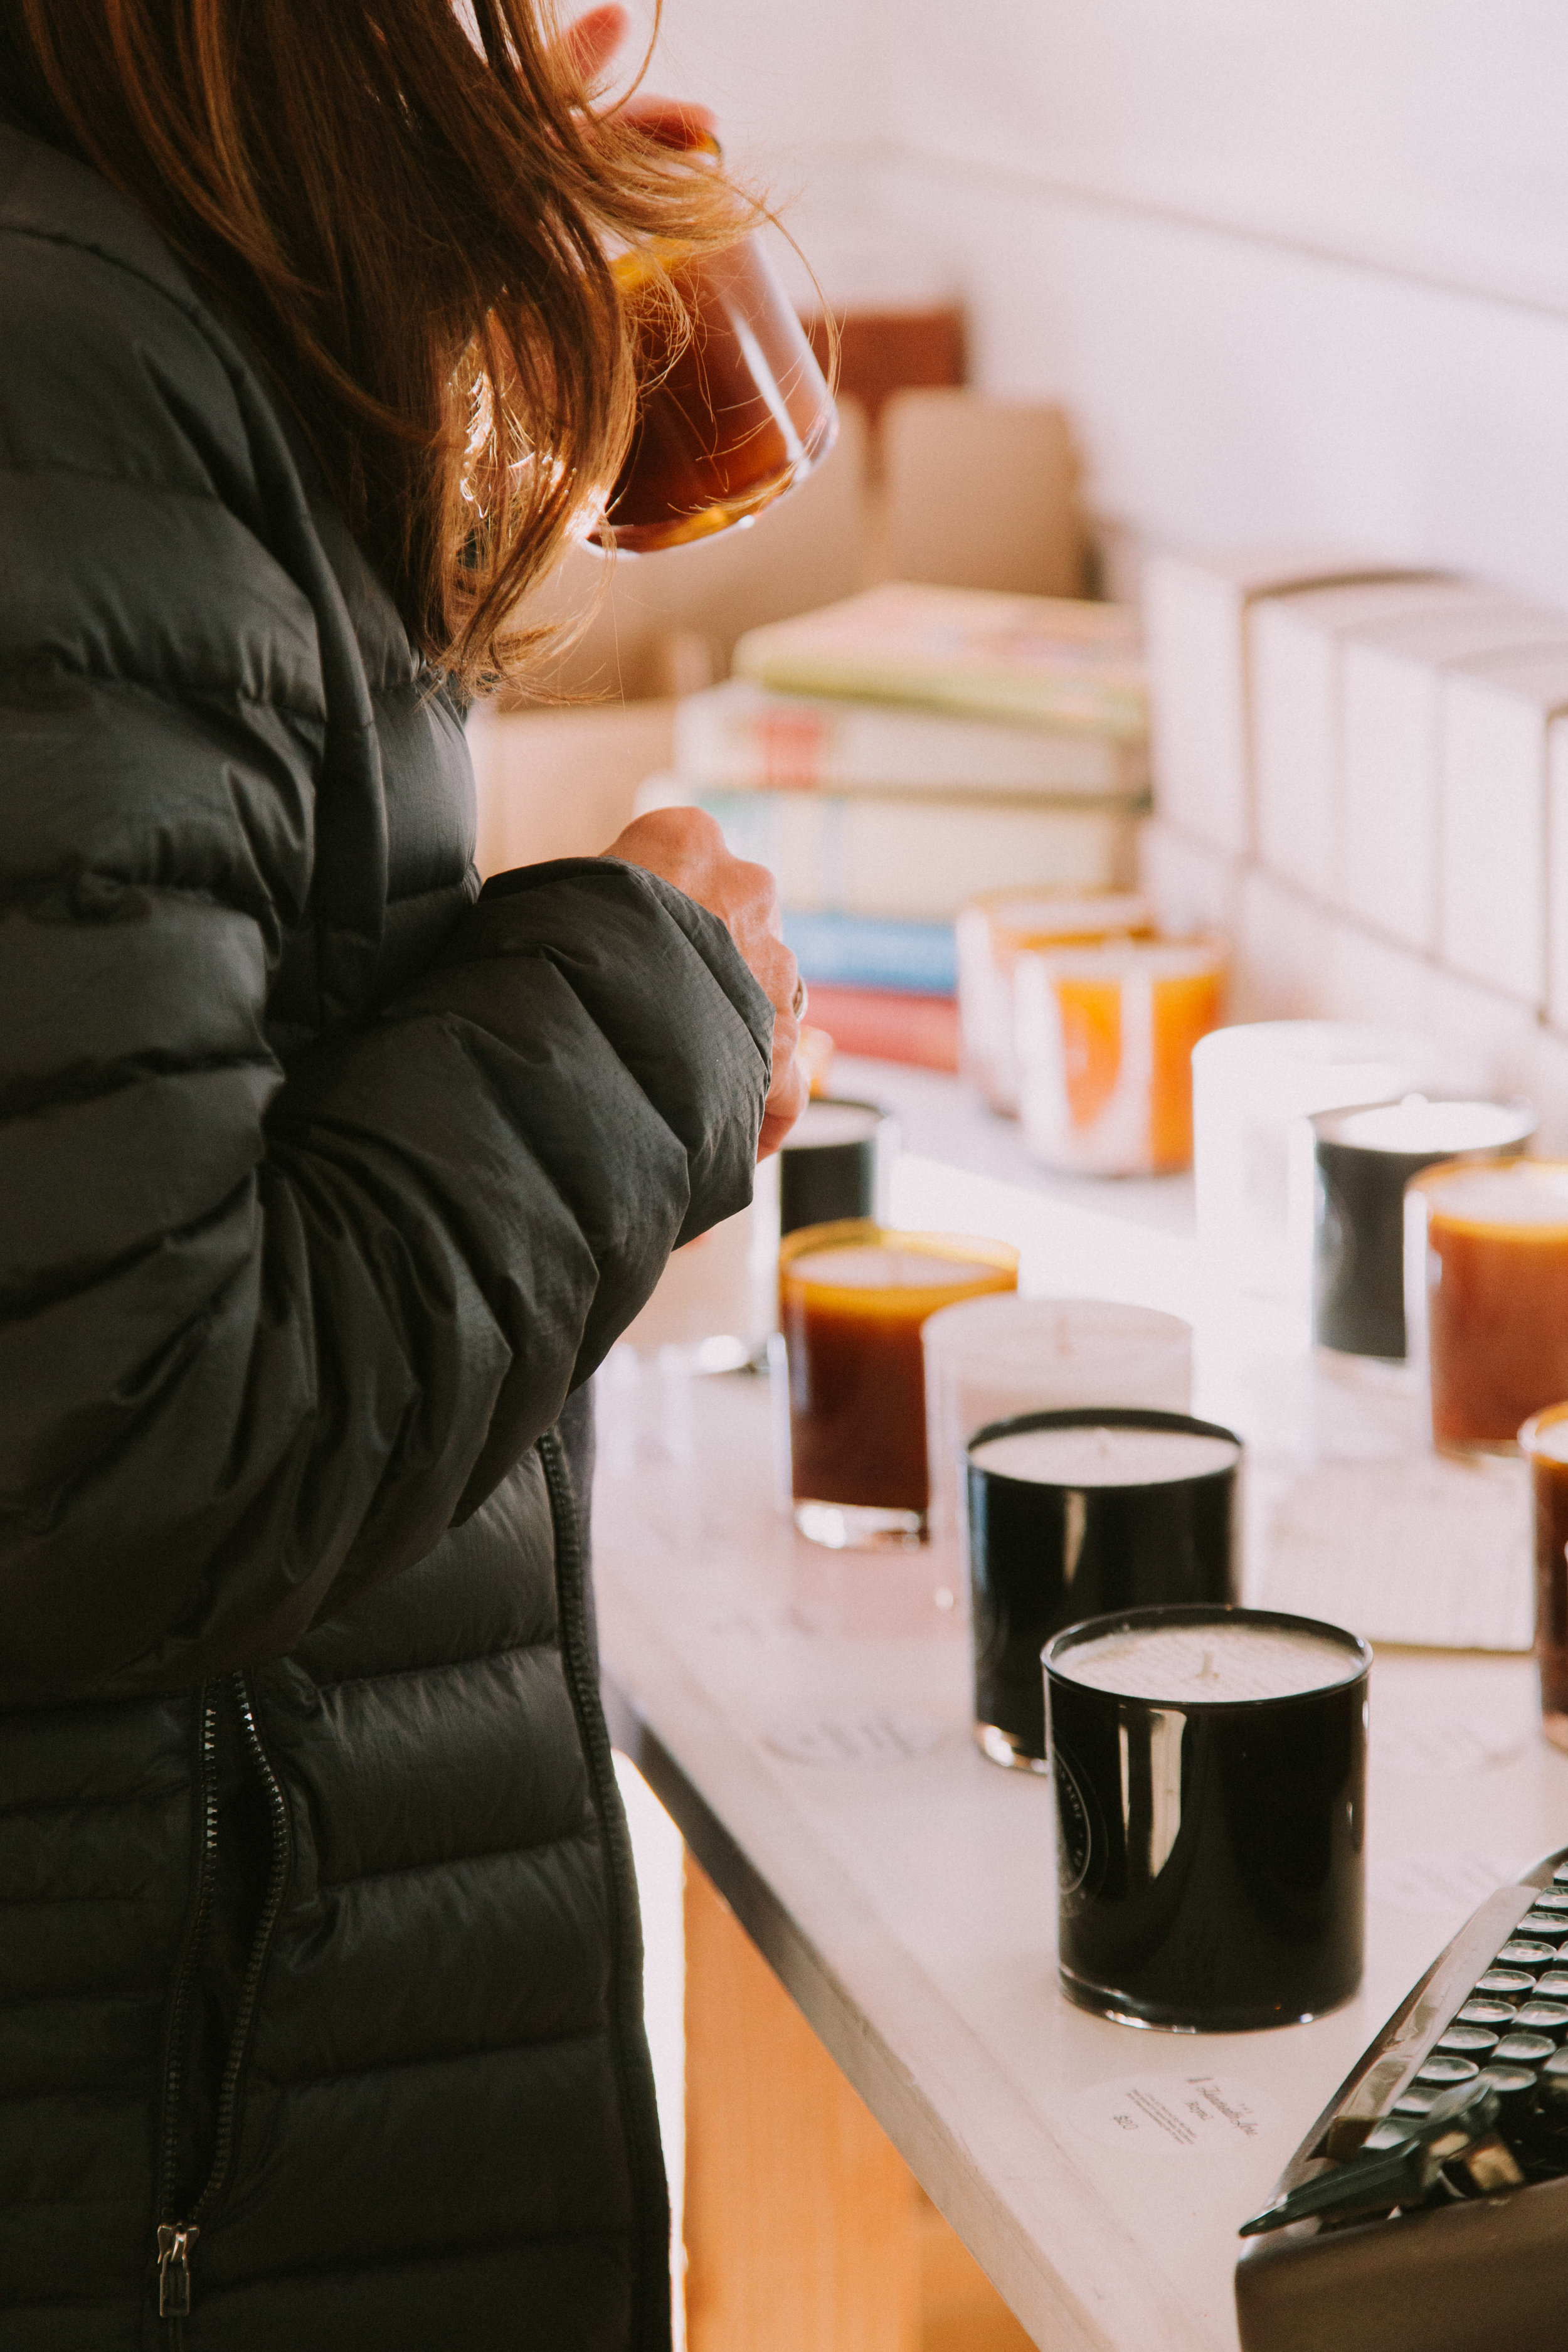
(980, 493)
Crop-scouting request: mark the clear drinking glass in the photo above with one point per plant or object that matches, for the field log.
(731, 417)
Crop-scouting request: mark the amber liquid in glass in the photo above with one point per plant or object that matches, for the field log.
(851, 1314)
(730, 420)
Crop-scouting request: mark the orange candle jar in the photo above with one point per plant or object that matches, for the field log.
(852, 1299)
(991, 934)
(1105, 1038)
(1487, 1296)
(1544, 1441)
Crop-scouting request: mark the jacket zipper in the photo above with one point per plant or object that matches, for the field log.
(175, 2239)
(641, 2122)
(173, 2244)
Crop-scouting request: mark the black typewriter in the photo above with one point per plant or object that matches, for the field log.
(1426, 2210)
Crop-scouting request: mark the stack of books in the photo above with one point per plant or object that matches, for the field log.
(899, 754)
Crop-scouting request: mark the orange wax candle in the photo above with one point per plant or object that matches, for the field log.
(852, 1299)
(1488, 1275)
(1105, 1038)
(991, 934)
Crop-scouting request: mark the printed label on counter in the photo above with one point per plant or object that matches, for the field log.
(1175, 2115)
(879, 1735)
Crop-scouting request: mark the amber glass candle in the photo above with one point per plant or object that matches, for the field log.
(852, 1299)
(1544, 1441)
(1487, 1274)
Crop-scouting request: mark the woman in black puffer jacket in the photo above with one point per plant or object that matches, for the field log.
(323, 1182)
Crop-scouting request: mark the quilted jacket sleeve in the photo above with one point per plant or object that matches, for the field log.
(263, 1335)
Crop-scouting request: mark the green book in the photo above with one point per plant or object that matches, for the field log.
(1036, 661)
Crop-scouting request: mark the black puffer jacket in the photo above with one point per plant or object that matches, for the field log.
(320, 1184)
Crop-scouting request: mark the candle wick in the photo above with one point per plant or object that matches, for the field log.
(1205, 1672)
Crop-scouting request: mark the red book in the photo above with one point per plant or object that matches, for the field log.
(889, 1025)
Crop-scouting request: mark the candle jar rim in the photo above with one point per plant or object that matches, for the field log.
(795, 1141)
(1162, 956)
(960, 1334)
(1323, 1123)
(1530, 1434)
(1206, 1612)
(1510, 1165)
(869, 1232)
(1107, 1416)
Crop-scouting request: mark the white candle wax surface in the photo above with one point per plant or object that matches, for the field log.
(1101, 1454)
(823, 1125)
(1012, 1338)
(1417, 1125)
(1182, 1665)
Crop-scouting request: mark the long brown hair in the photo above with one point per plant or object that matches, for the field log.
(411, 219)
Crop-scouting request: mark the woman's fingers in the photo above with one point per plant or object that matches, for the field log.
(592, 39)
(673, 121)
(686, 847)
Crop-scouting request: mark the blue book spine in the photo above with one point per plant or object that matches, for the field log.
(873, 952)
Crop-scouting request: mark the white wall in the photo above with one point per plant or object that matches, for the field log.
(1300, 271)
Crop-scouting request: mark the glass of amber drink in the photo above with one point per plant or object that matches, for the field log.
(734, 411)
(852, 1299)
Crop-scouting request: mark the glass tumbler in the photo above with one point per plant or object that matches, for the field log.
(730, 415)
(852, 1299)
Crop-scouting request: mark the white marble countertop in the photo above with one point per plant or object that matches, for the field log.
(806, 1718)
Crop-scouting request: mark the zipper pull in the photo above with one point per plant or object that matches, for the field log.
(175, 2270)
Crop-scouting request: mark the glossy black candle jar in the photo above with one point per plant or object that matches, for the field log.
(1362, 1160)
(831, 1166)
(1210, 1850)
(1045, 1551)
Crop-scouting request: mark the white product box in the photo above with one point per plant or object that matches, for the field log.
(1371, 979)
(1294, 647)
(1391, 681)
(1195, 610)
(1281, 952)
(1193, 886)
(1495, 717)
(1548, 1090)
(1491, 1041)
(1557, 874)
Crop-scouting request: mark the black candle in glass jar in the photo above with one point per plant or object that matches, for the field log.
(1362, 1160)
(1210, 1776)
(1076, 1512)
(833, 1163)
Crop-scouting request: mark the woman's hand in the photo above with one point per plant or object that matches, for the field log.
(684, 845)
(592, 40)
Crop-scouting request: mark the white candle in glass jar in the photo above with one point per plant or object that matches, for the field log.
(991, 1359)
(1179, 1664)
